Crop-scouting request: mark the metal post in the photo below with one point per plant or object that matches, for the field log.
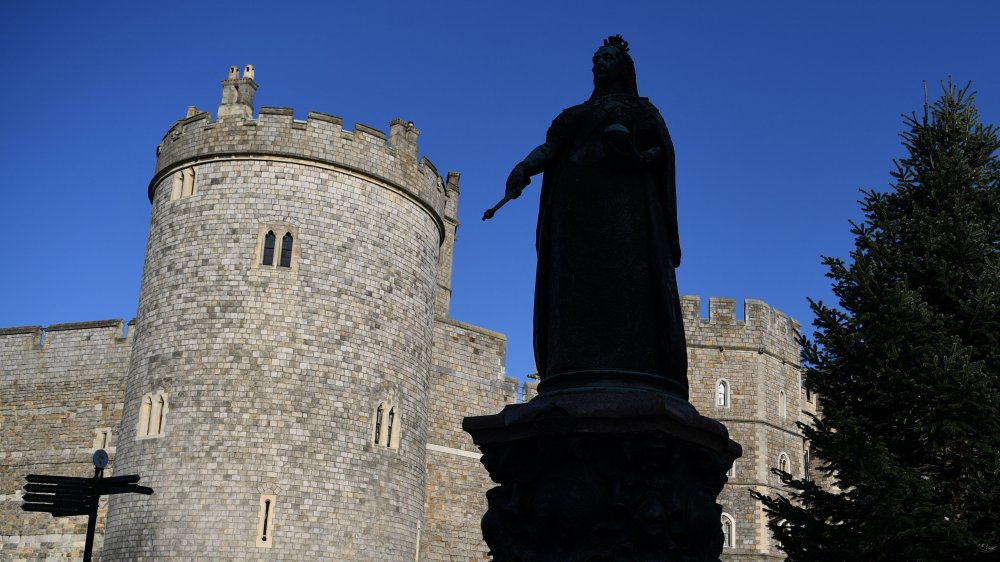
(95, 500)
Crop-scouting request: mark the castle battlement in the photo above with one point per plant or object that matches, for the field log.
(763, 328)
(321, 139)
(67, 335)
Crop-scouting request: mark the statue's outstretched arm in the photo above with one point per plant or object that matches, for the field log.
(520, 176)
(534, 163)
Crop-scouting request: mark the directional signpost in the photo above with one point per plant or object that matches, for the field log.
(68, 496)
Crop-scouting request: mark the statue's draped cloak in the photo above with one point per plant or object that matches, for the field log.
(605, 292)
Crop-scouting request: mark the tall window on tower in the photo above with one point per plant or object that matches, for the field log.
(378, 424)
(722, 393)
(276, 247)
(152, 416)
(183, 184)
(728, 531)
(286, 250)
(385, 432)
(268, 248)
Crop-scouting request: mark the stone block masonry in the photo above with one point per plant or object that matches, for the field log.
(61, 392)
(757, 359)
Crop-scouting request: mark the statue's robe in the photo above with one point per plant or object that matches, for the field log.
(606, 300)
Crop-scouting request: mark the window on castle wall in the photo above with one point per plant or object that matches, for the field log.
(732, 471)
(275, 251)
(175, 191)
(806, 461)
(152, 416)
(144, 410)
(102, 438)
(782, 404)
(265, 520)
(728, 531)
(268, 248)
(389, 427)
(783, 462)
(386, 430)
(286, 250)
(379, 413)
(722, 393)
(183, 184)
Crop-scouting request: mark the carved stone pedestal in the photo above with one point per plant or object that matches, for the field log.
(603, 476)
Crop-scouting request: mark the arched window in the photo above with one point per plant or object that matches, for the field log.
(188, 189)
(388, 430)
(782, 404)
(175, 192)
(783, 462)
(286, 250)
(152, 415)
(277, 251)
(728, 531)
(269, 248)
(156, 419)
(144, 412)
(722, 393)
(378, 423)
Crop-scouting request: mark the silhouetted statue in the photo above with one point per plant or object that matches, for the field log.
(607, 312)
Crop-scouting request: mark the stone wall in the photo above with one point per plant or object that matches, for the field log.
(61, 388)
(467, 379)
(758, 358)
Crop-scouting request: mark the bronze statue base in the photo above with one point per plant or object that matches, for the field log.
(603, 476)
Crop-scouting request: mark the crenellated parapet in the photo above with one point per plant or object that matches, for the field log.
(321, 139)
(762, 328)
(69, 337)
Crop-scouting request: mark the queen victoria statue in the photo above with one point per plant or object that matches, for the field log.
(610, 462)
(607, 312)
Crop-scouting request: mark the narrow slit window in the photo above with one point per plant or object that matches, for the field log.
(286, 250)
(782, 404)
(102, 438)
(388, 429)
(158, 408)
(728, 540)
(267, 513)
(175, 192)
(269, 248)
(188, 188)
(265, 521)
(722, 394)
(144, 412)
(378, 424)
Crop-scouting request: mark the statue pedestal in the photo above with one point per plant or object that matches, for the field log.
(603, 476)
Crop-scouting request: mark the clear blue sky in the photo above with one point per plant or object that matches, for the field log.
(780, 113)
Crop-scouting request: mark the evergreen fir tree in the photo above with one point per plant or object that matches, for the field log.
(907, 367)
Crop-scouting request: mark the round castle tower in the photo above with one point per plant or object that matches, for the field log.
(276, 394)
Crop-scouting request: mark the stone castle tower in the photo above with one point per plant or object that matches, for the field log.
(293, 386)
(286, 315)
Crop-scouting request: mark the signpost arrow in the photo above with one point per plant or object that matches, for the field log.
(68, 496)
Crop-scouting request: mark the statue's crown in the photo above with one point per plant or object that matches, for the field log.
(617, 41)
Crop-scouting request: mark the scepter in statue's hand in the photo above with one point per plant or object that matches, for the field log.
(516, 182)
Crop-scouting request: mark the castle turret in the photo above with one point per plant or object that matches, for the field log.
(277, 389)
(237, 94)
